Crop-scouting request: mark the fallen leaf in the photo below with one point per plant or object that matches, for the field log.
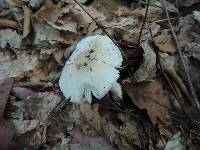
(36, 3)
(147, 69)
(189, 3)
(124, 136)
(17, 8)
(86, 113)
(58, 55)
(151, 95)
(11, 38)
(7, 132)
(193, 50)
(164, 42)
(39, 105)
(6, 23)
(121, 22)
(14, 68)
(23, 126)
(97, 142)
(21, 92)
(78, 136)
(52, 14)
(27, 21)
(45, 32)
(196, 16)
(175, 143)
(5, 88)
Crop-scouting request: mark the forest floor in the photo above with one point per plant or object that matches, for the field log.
(160, 75)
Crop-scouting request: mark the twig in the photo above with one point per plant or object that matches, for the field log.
(177, 10)
(193, 94)
(145, 17)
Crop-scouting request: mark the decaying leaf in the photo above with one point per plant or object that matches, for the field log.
(21, 92)
(7, 129)
(6, 23)
(17, 7)
(124, 136)
(45, 32)
(34, 109)
(196, 15)
(193, 50)
(39, 105)
(23, 126)
(148, 68)
(7, 132)
(175, 143)
(165, 42)
(5, 88)
(86, 113)
(52, 14)
(78, 137)
(151, 96)
(58, 55)
(36, 3)
(14, 68)
(189, 3)
(95, 142)
(10, 38)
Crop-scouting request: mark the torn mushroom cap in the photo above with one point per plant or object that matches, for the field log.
(91, 69)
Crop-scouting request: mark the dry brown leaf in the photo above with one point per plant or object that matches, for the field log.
(5, 23)
(39, 105)
(90, 113)
(49, 13)
(7, 132)
(21, 92)
(95, 143)
(13, 68)
(5, 88)
(58, 55)
(124, 136)
(165, 42)
(11, 38)
(23, 126)
(6, 128)
(45, 32)
(152, 97)
(52, 14)
(78, 136)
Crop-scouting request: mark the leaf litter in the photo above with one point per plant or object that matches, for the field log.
(157, 111)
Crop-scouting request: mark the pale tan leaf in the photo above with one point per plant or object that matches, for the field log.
(165, 42)
(27, 21)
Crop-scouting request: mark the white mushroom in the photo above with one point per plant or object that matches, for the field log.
(91, 69)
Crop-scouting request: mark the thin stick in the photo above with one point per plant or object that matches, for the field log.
(177, 10)
(145, 17)
(193, 94)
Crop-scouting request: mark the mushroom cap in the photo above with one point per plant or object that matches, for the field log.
(91, 69)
